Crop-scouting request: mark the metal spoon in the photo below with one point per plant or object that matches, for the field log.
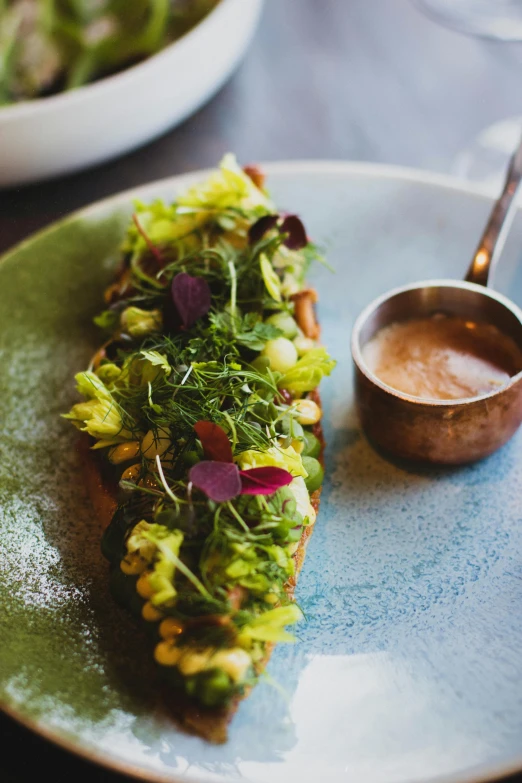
(445, 431)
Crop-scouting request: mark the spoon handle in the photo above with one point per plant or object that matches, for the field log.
(494, 237)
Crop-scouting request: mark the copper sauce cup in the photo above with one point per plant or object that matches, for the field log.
(445, 431)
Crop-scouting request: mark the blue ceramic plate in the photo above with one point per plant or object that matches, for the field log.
(408, 667)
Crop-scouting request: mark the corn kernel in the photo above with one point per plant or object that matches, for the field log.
(271, 598)
(150, 613)
(149, 482)
(167, 654)
(143, 586)
(132, 473)
(194, 661)
(170, 628)
(156, 445)
(133, 564)
(308, 412)
(298, 445)
(124, 451)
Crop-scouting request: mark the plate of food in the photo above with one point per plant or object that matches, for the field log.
(81, 82)
(166, 456)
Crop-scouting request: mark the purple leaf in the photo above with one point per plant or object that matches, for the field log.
(220, 481)
(264, 481)
(260, 227)
(296, 238)
(191, 296)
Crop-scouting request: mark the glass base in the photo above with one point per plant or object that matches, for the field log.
(498, 19)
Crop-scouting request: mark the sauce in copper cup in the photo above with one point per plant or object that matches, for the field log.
(416, 421)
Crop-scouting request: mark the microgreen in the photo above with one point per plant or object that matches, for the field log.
(215, 442)
(289, 225)
(192, 298)
(296, 239)
(264, 481)
(223, 481)
(220, 481)
(261, 226)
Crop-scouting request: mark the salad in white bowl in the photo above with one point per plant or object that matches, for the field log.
(84, 80)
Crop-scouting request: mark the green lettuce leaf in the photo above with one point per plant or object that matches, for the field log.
(270, 278)
(100, 416)
(161, 580)
(269, 626)
(140, 323)
(288, 459)
(308, 372)
(228, 187)
(157, 360)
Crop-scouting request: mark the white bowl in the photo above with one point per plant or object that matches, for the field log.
(66, 132)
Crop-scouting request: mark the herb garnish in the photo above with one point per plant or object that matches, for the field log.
(199, 399)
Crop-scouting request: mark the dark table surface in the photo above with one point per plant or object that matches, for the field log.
(367, 80)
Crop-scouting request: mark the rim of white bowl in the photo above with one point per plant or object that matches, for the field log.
(108, 83)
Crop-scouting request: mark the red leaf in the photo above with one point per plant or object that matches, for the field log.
(220, 481)
(264, 481)
(214, 440)
(260, 227)
(296, 238)
(192, 298)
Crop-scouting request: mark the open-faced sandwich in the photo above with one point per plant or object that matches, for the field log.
(204, 420)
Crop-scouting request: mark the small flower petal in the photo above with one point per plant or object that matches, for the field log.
(214, 440)
(260, 227)
(293, 226)
(264, 481)
(220, 481)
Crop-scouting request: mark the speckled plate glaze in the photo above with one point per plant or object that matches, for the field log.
(409, 666)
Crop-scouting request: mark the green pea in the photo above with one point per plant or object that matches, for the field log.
(167, 517)
(289, 426)
(282, 354)
(312, 447)
(214, 687)
(315, 473)
(261, 364)
(191, 457)
(191, 685)
(285, 323)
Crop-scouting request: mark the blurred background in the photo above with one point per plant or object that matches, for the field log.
(363, 80)
(366, 80)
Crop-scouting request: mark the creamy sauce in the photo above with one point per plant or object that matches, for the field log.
(442, 357)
